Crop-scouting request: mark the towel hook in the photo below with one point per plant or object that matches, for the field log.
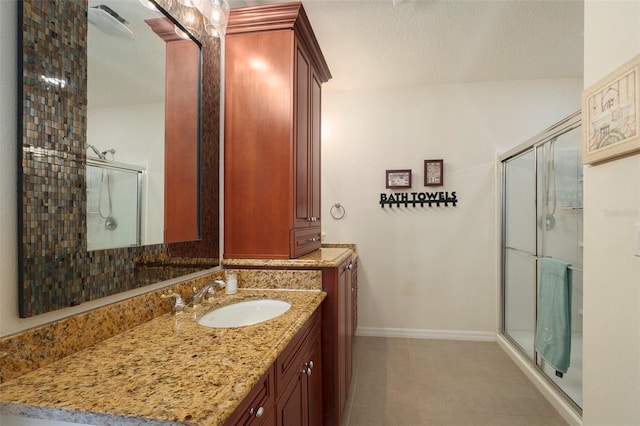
(337, 211)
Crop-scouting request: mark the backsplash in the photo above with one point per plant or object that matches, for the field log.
(31, 349)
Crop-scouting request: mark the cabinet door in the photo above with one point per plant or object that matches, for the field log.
(354, 297)
(292, 404)
(257, 408)
(302, 152)
(342, 338)
(314, 383)
(314, 161)
(346, 293)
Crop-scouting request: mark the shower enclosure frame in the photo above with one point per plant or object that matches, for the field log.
(140, 171)
(568, 124)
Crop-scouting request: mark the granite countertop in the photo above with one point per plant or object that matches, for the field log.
(325, 257)
(169, 370)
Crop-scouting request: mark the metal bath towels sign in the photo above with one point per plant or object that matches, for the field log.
(414, 199)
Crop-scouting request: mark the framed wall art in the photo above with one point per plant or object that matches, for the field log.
(398, 179)
(611, 115)
(433, 172)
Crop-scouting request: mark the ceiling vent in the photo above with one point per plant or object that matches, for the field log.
(107, 20)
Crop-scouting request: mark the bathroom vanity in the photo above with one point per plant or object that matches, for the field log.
(338, 267)
(169, 370)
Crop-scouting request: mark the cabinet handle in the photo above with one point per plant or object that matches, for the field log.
(308, 368)
(350, 266)
(256, 413)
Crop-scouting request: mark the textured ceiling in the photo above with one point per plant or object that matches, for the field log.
(374, 44)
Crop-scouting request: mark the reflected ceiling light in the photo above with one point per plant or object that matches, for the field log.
(152, 5)
(191, 23)
(53, 81)
(180, 33)
(190, 3)
(214, 12)
(216, 15)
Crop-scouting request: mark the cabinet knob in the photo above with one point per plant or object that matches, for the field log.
(256, 413)
(308, 368)
(350, 266)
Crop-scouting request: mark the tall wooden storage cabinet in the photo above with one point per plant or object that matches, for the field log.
(273, 76)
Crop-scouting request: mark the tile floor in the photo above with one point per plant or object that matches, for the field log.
(410, 382)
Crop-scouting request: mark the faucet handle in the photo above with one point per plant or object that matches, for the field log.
(179, 305)
(220, 283)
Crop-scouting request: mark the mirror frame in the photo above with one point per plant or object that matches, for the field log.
(55, 268)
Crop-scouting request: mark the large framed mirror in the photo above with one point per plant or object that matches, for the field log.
(119, 175)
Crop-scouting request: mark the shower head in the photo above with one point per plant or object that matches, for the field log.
(101, 155)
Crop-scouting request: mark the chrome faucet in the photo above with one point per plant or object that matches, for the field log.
(207, 289)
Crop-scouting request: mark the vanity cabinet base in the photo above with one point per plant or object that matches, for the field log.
(290, 392)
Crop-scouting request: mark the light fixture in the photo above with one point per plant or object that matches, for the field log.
(214, 12)
(152, 5)
(191, 23)
(216, 15)
(190, 3)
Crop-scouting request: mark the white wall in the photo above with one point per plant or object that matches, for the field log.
(612, 272)
(8, 160)
(428, 271)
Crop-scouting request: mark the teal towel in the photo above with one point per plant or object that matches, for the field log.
(553, 324)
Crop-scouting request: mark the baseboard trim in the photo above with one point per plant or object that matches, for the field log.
(480, 336)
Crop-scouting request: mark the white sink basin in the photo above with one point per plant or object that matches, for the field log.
(244, 313)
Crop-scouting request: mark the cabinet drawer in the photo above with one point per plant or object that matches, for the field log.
(292, 359)
(304, 241)
(262, 396)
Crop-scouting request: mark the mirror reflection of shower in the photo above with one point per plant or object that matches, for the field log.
(110, 222)
(114, 190)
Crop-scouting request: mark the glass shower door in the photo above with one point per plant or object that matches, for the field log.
(519, 245)
(559, 182)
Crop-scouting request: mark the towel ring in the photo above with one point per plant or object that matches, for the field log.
(337, 211)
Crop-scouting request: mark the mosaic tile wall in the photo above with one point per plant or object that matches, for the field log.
(57, 270)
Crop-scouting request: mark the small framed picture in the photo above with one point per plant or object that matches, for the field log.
(433, 173)
(399, 178)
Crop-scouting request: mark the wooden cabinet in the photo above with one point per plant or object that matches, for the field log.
(337, 340)
(290, 392)
(299, 380)
(354, 295)
(257, 408)
(273, 77)
(339, 318)
(181, 140)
